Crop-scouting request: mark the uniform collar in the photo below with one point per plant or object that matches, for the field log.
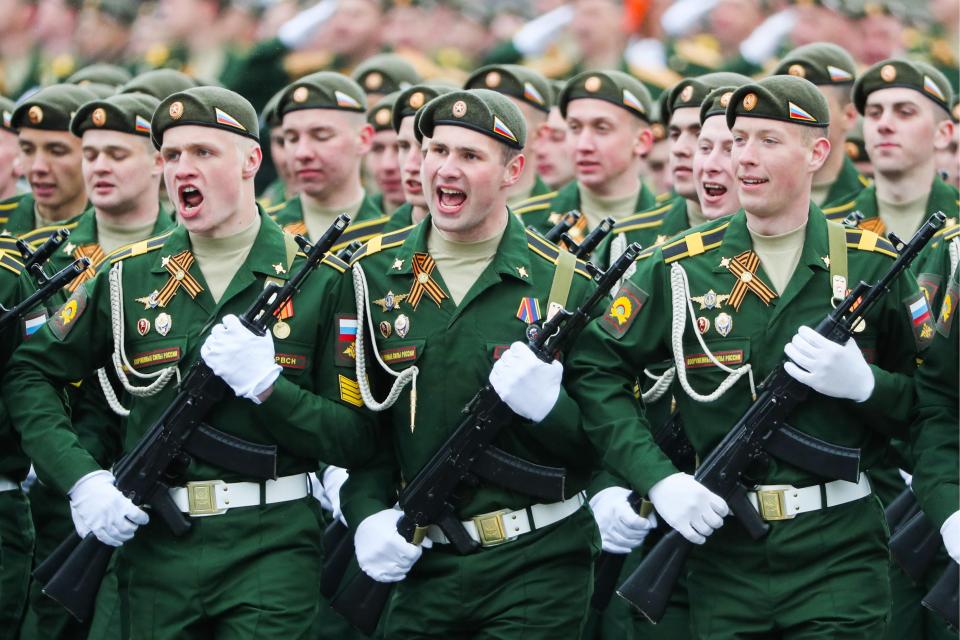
(736, 240)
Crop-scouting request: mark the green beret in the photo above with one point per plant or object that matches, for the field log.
(691, 92)
(322, 90)
(715, 104)
(822, 63)
(854, 146)
(485, 111)
(385, 73)
(125, 112)
(7, 107)
(159, 83)
(271, 119)
(381, 116)
(615, 87)
(109, 74)
(786, 98)
(206, 107)
(122, 11)
(412, 99)
(51, 108)
(897, 72)
(556, 88)
(515, 81)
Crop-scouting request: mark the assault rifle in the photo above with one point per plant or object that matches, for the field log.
(72, 574)
(593, 239)
(567, 222)
(46, 285)
(469, 455)
(914, 546)
(762, 430)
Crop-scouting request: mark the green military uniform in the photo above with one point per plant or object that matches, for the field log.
(16, 526)
(253, 570)
(368, 221)
(791, 590)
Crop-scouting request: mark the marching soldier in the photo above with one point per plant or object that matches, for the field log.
(530, 91)
(49, 159)
(9, 149)
(276, 192)
(607, 114)
(383, 74)
(121, 172)
(326, 137)
(382, 162)
(756, 278)
(554, 164)
(409, 143)
(833, 70)
(451, 294)
(253, 547)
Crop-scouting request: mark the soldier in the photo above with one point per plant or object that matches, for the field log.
(382, 162)
(681, 112)
(948, 162)
(552, 153)
(607, 115)
(255, 557)
(121, 172)
(409, 141)
(713, 170)
(471, 259)
(382, 74)
(857, 150)
(281, 188)
(530, 91)
(193, 42)
(902, 133)
(104, 30)
(9, 149)
(49, 159)
(832, 69)
(827, 558)
(326, 137)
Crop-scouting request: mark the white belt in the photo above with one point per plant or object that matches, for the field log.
(214, 497)
(504, 525)
(783, 501)
(8, 485)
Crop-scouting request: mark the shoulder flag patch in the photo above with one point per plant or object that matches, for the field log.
(796, 113)
(343, 100)
(931, 87)
(838, 75)
(632, 101)
(225, 118)
(142, 124)
(530, 93)
(503, 130)
(626, 304)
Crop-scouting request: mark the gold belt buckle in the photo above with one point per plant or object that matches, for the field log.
(202, 498)
(772, 503)
(490, 528)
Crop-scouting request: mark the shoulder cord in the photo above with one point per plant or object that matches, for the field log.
(120, 362)
(954, 250)
(681, 303)
(660, 386)
(403, 378)
(617, 248)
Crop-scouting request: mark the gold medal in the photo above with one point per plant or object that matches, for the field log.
(281, 330)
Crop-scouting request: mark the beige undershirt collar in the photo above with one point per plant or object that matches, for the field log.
(596, 208)
(220, 258)
(461, 263)
(779, 254)
(319, 218)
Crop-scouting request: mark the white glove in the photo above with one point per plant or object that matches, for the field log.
(688, 506)
(333, 479)
(97, 506)
(534, 37)
(683, 15)
(382, 553)
(316, 490)
(762, 43)
(907, 477)
(951, 536)
(526, 383)
(297, 31)
(244, 360)
(621, 529)
(835, 370)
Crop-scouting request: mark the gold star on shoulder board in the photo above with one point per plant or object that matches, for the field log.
(522, 272)
(68, 248)
(398, 264)
(279, 268)
(660, 240)
(724, 262)
(826, 261)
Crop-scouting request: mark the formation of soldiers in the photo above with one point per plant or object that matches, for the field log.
(764, 158)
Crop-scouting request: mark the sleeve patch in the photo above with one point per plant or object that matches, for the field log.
(948, 309)
(921, 320)
(626, 304)
(63, 321)
(345, 344)
(350, 391)
(930, 285)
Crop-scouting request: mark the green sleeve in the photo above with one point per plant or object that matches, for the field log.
(603, 370)
(372, 487)
(37, 374)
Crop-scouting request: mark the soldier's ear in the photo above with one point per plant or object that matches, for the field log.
(365, 138)
(819, 151)
(943, 134)
(513, 169)
(252, 158)
(643, 142)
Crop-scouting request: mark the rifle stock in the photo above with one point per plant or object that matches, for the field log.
(943, 599)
